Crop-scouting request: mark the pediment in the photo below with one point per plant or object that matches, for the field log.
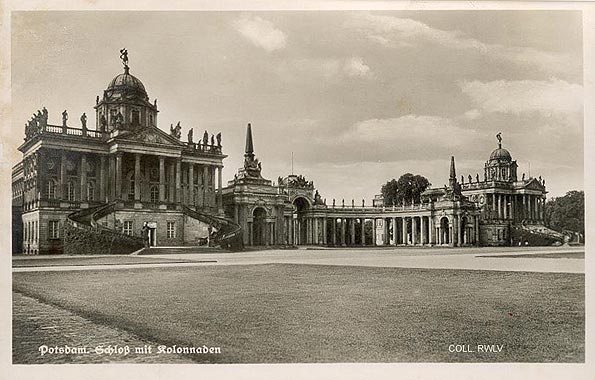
(152, 136)
(534, 184)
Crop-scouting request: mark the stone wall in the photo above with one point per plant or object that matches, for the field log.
(84, 240)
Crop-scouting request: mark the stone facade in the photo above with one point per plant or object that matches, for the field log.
(126, 159)
(459, 214)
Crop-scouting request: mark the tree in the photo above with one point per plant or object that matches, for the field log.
(407, 188)
(566, 213)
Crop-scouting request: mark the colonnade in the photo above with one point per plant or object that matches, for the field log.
(175, 182)
(453, 230)
(529, 207)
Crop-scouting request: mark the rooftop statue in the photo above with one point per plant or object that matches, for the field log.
(175, 131)
(64, 118)
(190, 132)
(205, 138)
(84, 121)
(219, 139)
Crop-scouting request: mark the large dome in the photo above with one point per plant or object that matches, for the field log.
(501, 154)
(126, 84)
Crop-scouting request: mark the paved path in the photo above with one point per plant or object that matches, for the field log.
(36, 324)
(430, 258)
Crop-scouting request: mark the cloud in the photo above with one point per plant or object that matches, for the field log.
(548, 98)
(355, 67)
(408, 129)
(472, 114)
(261, 33)
(397, 32)
(328, 68)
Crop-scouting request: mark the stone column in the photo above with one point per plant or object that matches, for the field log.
(394, 234)
(250, 242)
(476, 229)
(494, 204)
(179, 181)
(205, 185)
(172, 183)
(118, 175)
(334, 230)
(62, 185)
(161, 179)
(374, 239)
(404, 230)
(431, 231)
(137, 179)
(352, 228)
(363, 231)
(505, 206)
(220, 189)
(190, 200)
(324, 237)
(499, 206)
(102, 179)
(414, 235)
(83, 177)
(439, 235)
(529, 208)
(343, 231)
(459, 230)
(315, 231)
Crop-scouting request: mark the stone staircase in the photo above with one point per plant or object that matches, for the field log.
(229, 233)
(83, 235)
(536, 235)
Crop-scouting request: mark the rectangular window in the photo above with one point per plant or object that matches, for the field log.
(54, 229)
(128, 227)
(171, 230)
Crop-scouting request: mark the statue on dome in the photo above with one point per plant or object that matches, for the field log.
(124, 57)
(499, 137)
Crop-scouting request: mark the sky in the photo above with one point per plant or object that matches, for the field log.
(358, 97)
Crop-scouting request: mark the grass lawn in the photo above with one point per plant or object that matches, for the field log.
(311, 313)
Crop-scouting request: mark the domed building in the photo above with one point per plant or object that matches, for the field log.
(125, 183)
(508, 206)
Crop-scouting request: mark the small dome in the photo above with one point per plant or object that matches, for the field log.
(501, 154)
(128, 84)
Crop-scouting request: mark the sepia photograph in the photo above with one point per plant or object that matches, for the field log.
(296, 186)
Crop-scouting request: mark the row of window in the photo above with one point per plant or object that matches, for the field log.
(31, 230)
(70, 192)
(128, 229)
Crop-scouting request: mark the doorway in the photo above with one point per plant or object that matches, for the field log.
(152, 233)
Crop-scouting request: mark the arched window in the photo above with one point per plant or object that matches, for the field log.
(91, 191)
(70, 191)
(131, 190)
(154, 194)
(51, 188)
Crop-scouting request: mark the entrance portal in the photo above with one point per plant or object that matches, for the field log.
(152, 233)
(301, 205)
(259, 226)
